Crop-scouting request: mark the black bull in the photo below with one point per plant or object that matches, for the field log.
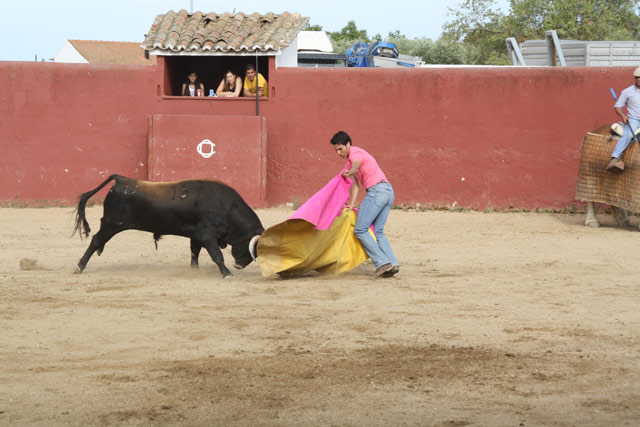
(208, 212)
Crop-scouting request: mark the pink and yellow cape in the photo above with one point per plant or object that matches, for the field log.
(317, 237)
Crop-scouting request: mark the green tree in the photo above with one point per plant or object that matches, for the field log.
(348, 35)
(478, 28)
(309, 27)
(574, 19)
(482, 30)
(446, 52)
(351, 32)
(439, 52)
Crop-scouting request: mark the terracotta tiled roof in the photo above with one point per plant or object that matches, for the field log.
(210, 32)
(103, 52)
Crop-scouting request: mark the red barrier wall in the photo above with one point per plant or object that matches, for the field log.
(65, 127)
(477, 137)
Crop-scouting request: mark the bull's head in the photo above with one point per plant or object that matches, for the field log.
(245, 253)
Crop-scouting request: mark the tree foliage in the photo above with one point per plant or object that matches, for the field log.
(482, 30)
(309, 27)
(348, 35)
(477, 30)
(439, 52)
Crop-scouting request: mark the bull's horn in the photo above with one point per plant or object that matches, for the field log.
(253, 243)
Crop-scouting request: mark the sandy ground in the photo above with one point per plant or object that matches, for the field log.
(500, 319)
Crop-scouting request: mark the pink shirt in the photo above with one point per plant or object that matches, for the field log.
(370, 173)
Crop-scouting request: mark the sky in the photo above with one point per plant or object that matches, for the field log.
(39, 28)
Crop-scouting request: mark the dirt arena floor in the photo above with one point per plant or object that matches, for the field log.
(498, 319)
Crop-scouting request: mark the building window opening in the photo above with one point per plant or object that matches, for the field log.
(210, 70)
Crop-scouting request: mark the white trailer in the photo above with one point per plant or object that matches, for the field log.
(402, 61)
(574, 53)
(585, 53)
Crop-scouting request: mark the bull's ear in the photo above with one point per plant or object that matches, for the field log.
(253, 244)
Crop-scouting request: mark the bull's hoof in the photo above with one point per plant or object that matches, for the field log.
(228, 277)
(195, 266)
(78, 269)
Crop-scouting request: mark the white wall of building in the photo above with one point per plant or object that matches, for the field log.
(289, 56)
(69, 54)
(317, 41)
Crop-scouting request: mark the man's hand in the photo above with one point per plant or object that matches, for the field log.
(621, 114)
(353, 171)
(348, 205)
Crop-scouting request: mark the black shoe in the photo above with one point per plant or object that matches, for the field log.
(383, 269)
(390, 273)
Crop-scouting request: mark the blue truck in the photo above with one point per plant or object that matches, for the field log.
(379, 54)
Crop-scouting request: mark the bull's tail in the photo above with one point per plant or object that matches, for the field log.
(81, 221)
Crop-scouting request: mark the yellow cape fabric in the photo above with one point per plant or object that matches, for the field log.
(295, 247)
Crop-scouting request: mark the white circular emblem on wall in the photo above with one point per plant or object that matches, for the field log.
(210, 151)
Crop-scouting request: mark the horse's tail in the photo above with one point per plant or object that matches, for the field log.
(81, 221)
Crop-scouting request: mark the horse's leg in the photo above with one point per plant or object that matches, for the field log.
(592, 219)
(620, 215)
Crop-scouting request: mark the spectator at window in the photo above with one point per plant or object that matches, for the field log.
(253, 79)
(193, 86)
(230, 85)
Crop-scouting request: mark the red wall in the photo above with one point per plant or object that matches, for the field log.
(232, 150)
(65, 127)
(513, 134)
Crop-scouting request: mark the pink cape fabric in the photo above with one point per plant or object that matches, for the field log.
(326, 205)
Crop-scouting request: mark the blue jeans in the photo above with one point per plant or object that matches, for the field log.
(626, 137)
(375, 210)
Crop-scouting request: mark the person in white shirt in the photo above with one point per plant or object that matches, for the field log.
(192, 86)
(630, 97)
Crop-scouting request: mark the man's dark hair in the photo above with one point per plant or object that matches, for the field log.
(250, 66)
(340, 138)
